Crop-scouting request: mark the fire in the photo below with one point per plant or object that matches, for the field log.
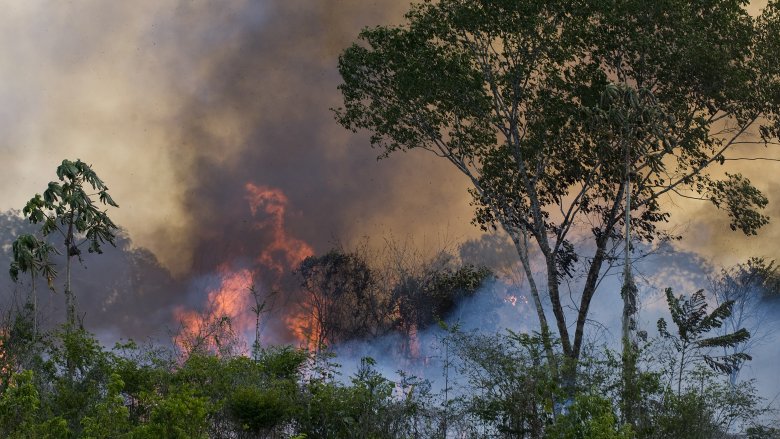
(511, 299)
(228, 311)
(305, 329)
(284, 251)
(224, 318)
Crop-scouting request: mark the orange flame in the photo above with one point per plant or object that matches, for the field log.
(284, 251)
(305, 329)
(232, 299)
(202, 330)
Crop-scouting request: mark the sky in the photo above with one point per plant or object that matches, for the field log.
(183, 107)
(178, 104)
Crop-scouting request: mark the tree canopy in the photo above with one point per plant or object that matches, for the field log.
(69, 210)
(549, 107)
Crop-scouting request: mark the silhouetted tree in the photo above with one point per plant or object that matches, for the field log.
(68, 210)
(691, 340)
(751, 287)
(342, 298)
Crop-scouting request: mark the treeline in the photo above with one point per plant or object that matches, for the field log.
(349, 295)
(64, 384)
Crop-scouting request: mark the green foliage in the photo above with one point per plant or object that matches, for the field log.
(685, 415)
(693, 324)
(511, 392)
(79, 370)
(69, 204)
(20, 412)
(510, 91)
(20, 345)
(590, 417)
(68, 209)
(31, 255)
(110, 417)
(365, 409)
(740, 198)
(283, 363)
(514, 391)
(258, 410)
(179, 414)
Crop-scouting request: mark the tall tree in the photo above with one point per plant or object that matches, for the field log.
(66, 208)
(541, 104)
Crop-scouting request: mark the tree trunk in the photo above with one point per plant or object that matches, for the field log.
(629, 295)
(70, 306)
(522, 251)
(34, 303)
(552, 362)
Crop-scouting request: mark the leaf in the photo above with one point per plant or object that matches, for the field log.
(729, 340)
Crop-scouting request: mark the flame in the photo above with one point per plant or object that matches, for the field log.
(284, 251)
(511, 299)
(232, 299)
(305, 329)
(202, 330)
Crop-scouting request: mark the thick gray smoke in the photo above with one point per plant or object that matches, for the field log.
(178, 105)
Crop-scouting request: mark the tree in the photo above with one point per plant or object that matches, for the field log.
(510, 388)
(548, 108)
(67, 209)
(342, 299)
(691, 341)
(31, 255)
(421, 299)
(749, 286)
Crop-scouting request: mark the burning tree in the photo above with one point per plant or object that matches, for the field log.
(550, 108)
(342, 299)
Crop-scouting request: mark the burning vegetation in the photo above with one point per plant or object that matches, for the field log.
(335, 298)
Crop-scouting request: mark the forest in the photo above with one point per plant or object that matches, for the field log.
(578, 126)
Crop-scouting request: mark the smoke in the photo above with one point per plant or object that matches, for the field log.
(499, 305)
(178, 104)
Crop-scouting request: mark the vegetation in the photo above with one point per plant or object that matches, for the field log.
(504, 390)
(557, 111)
(66, 209)
(571, 120)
